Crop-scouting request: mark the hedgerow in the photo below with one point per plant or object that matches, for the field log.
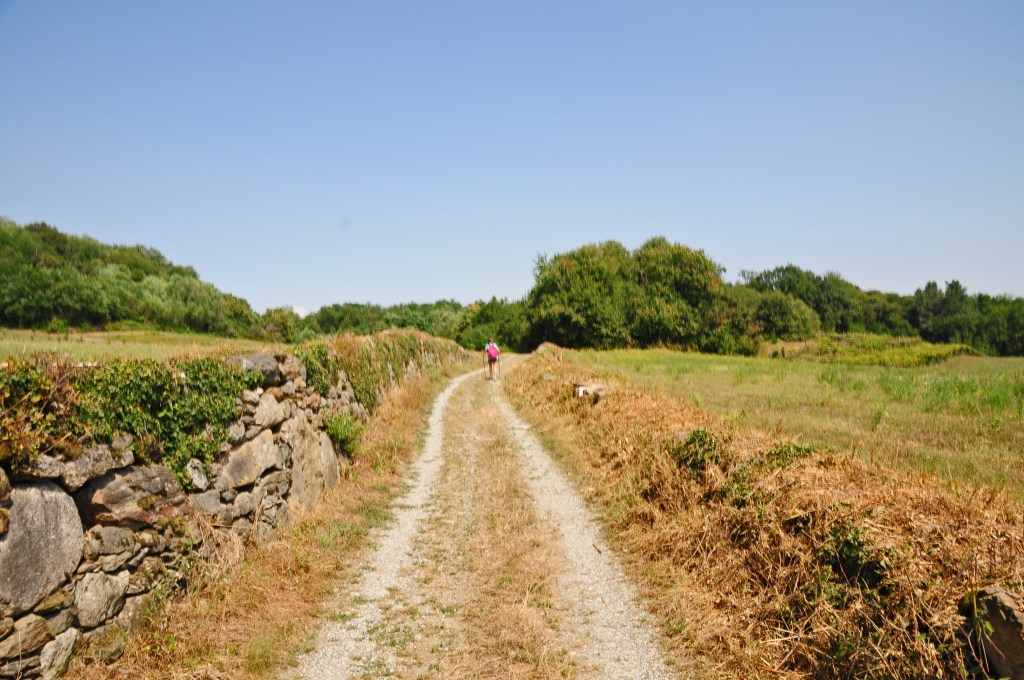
(374, 363)
(180, 409)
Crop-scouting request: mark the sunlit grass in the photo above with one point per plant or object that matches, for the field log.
(94, 346)
(962, 420)
(868, 349)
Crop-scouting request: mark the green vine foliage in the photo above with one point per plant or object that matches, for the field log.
(176, 410)
(369, 362)
(344, 431)
(321, 366)
(181, 409)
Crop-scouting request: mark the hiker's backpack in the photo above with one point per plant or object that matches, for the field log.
(492, 351)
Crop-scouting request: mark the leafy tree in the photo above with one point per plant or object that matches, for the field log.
(839, 304)
(662, 294)
(579, 299)
(48, 276)
(887, 314)
(281, 324)
(499, 319)
(782, 316)
(362, 319)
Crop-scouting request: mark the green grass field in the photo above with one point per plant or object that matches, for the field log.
(108, 345)
(962, 419)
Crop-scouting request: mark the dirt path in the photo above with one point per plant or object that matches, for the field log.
(490, 568)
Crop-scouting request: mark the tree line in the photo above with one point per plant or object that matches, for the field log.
(53, 280)
(661, 294)
(667, 295)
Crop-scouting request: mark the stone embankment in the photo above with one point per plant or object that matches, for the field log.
(88, 545)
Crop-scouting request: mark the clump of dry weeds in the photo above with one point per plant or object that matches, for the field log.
(772, 558)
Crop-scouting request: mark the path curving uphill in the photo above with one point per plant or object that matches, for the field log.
(491, 567)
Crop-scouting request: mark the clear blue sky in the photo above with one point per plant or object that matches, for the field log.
(306, 153)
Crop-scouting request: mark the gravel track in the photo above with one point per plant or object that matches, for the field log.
(346, 649)
(615, 632)
(600, 622)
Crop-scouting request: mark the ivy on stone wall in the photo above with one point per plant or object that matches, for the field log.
(321, 366)
(177, 410)
(180, 409)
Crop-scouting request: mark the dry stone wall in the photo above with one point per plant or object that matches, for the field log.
(85, 543)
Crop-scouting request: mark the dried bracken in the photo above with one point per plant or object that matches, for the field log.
(775, 559)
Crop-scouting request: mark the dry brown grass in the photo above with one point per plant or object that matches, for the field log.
(511, 627)
(250, 617)
(481, 601)
(809, 565)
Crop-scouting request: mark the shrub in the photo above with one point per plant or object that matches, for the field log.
(344, 431)
(321, 366)
(698, 451)
(785, 317)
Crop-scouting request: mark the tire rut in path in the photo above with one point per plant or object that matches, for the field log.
(491, 567)
(615, 632)
(345, 649)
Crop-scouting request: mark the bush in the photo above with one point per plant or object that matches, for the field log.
(698, 451)
(782, 316)
(321, 366)
(604, 296)
(344, 431)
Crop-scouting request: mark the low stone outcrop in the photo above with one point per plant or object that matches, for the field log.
(94, 462)
(1004, 648)
(266, 364)
(56, 655)
(314, 462)
(134, 498)
(250, 460)
(99, 597)
(42, 546)
(268, 411)
(30, 634)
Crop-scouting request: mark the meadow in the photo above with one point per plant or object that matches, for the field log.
(961, 419)
(94, 346)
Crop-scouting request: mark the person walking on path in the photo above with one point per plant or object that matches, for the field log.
(491, 352)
